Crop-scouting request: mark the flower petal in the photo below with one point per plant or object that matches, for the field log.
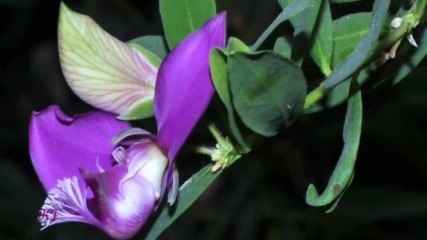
(59, 145)
(184, 86)
(124, 205)
(102, 70)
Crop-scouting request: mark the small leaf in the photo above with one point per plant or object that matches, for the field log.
(218, 65)
(181, 17)
(283, 47)
(267, 90)
(236, 45)
(321, 52)
(349, 31)
(154, 44)
(357, 58)
(303, 24)
(102, 70)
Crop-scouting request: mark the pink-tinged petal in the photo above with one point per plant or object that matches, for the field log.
(127, 194)
(184, 86)
(60, 145)
(103, 71)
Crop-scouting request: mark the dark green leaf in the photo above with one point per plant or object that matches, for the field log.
(267, 90)
(218, 65)
(154, 44)
(303, 24)
(181, 17)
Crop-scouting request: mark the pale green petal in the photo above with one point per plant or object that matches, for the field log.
(103, 71)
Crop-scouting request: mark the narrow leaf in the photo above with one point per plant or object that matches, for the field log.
(181, 17)
(218, 65)
(303, 24)
(343, 173)
(268, 91)
(321, 52)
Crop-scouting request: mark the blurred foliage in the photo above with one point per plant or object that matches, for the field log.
(262, 196)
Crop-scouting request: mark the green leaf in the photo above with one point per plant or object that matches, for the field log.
(181, 17)
(345, 1)
(155, 44)
(343, 173)
(236, 45)
(218, 64)
(349, 31)
(267, 90)
(283, 47)
(321, 52)
(189, 192)
(295, 7)
(357, 58)
(303, 24)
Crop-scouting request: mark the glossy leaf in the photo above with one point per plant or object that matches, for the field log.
(155, 44)
(181, 17)
(268, 90)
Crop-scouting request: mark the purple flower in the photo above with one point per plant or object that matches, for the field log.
(117, 186)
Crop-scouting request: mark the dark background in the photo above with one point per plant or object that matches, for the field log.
(262, 195)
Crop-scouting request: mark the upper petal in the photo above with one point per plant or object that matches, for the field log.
(59, 145)
(102, 70)
(184, 86)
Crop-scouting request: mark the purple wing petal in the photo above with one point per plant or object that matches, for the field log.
(59, 145)
(184, 86)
